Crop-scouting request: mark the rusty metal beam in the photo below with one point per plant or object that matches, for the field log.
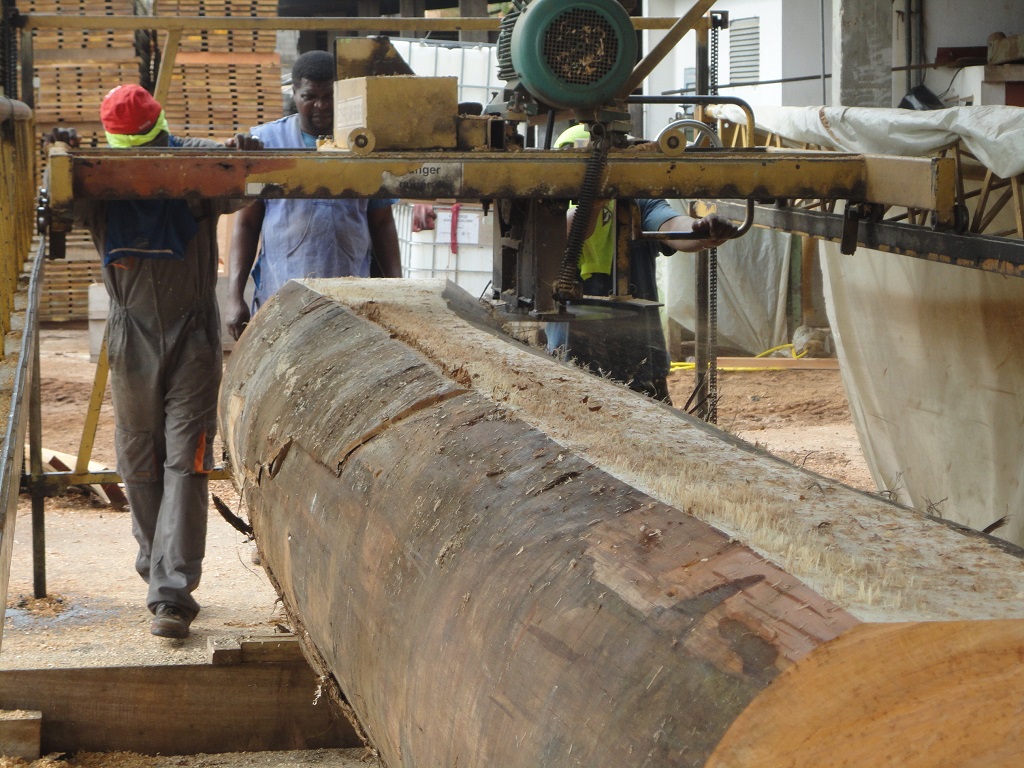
(731, 174)
(249, 23)
(1004, 256)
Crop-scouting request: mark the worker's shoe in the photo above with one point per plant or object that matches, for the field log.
(170, 621)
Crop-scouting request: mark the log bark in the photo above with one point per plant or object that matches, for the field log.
(459, 528)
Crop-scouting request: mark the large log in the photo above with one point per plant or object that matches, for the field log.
(501, 560)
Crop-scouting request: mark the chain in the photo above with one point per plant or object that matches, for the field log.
(567, 285)
(712, 407)
(8, 50)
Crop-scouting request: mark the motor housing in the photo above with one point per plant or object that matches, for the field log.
(568, 53)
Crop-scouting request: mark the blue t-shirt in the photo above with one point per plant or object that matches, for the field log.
(307, 238)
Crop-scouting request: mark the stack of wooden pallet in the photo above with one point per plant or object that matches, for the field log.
(224, 81)
(74, 69)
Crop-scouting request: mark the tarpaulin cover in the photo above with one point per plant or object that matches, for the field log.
(753, 283)
(994, 134)
(932, 356)
(932, 359)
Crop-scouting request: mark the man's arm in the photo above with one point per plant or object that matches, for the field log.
(384, 237)
(244, 240)
(715, 231)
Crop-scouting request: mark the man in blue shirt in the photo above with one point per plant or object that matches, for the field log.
(306, 238)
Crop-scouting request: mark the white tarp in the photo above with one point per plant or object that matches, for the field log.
(995, 134)
(932, 356)
(753, 285)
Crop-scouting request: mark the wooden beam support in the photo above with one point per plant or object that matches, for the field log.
(20, 734)
(178, 710)
(469, 8)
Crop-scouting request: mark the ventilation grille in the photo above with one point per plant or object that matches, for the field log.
(581, 47)
(745, 50)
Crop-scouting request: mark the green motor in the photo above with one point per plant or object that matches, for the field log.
(573, 53)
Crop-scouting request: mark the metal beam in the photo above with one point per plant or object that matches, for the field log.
(685, 24)
(735, 174)
(1003, 256)
(247, 23)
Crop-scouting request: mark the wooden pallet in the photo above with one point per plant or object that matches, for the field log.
(65, 295)
(72, 94)
(72, 39)
(223, 82)
(74, 69)
(264, 41)
(216, 100)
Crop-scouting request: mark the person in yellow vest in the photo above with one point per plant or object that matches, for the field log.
(629, 348)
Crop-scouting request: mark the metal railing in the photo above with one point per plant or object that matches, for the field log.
(17, 316)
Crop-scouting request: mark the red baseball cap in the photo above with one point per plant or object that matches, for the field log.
(129, 110)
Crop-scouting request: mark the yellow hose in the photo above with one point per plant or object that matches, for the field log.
(691, 366)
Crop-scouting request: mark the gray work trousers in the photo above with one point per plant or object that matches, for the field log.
(164, 380)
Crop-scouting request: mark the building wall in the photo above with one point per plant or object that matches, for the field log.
(947, 25)
(790, 46)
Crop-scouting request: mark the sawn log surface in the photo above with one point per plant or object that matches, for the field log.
(480, 593)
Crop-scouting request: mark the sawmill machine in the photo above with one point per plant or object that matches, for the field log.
(402, 136)
(570, 60)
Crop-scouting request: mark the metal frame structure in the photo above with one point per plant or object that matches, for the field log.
(925, 183)
(175, 26)
(977, 240)
(867, 183)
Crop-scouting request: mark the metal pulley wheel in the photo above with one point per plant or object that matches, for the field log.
(673, 140)
(361, 141)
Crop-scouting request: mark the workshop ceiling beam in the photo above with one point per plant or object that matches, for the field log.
(250, 23)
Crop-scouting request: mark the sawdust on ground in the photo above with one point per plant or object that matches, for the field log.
(334, 758)
(94, 612)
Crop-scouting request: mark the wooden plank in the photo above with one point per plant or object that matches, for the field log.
(178, 710)
(271, 649)
(246, 58)
(1004, 73)
(1003, 49)
(20, 734)
(84, 56)
(224, 650)
(419, 497)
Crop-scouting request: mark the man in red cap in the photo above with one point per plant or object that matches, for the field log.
(164, 348)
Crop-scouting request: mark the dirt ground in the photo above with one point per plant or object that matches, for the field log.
(94, 614)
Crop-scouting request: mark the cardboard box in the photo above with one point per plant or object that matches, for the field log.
(400, 112)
